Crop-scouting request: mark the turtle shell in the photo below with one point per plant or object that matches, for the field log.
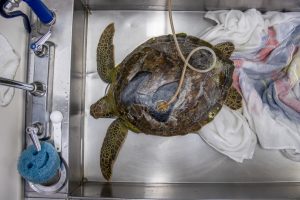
(151, 74)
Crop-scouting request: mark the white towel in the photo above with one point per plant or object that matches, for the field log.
(243, 29)
(246, 30)
(229, 133)
(9, 63)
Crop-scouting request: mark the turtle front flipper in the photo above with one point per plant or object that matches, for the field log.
(226, 48)
(111, 146)
(233, 99)
(105, 54)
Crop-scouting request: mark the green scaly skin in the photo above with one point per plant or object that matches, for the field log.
(105, 54)
(112, 143)
(233, 99)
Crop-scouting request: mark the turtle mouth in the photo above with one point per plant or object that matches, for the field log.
(93, 111)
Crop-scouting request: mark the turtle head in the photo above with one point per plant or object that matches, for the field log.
(103, 108)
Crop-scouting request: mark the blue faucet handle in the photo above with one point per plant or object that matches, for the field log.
(36, 46)
(40, 9)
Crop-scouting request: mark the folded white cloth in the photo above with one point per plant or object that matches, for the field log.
(246, 30)
(9, 63)
(230, 134)
(243, 29)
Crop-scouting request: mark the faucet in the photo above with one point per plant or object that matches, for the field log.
(45, 15)
(36, 88)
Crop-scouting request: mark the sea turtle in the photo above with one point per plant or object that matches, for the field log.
(150, 74)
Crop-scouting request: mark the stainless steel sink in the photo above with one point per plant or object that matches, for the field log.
(147, 167)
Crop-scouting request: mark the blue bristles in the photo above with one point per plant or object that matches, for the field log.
(39, 167)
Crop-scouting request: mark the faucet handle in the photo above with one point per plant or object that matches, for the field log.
(33, 132)
(56, 118)
(37, 46)
(11, 4)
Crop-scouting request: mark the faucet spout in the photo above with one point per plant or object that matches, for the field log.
(35, 88)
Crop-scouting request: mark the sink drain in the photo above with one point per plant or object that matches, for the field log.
(55, 187)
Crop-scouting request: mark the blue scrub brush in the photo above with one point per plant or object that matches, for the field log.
(39, 166)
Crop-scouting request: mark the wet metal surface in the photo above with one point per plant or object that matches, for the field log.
(188, 191)
(152, 159)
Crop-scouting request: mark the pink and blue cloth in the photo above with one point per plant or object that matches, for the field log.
(267, 74)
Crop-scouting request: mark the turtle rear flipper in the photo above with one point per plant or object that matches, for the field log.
(233, 99)
(226, 48)
(105, 54)
(111, 146)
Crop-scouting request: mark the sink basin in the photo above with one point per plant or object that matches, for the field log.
(181, 167)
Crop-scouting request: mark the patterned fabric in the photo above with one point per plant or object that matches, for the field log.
(267, 75)
(268, 78)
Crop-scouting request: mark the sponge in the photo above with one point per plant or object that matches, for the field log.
(39, 166)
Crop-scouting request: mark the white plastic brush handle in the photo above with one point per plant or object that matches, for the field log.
(56, 118)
